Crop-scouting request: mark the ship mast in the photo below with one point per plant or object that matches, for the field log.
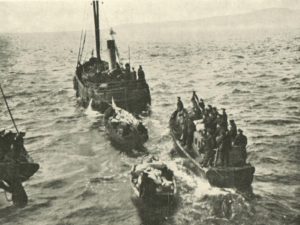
(97, 28)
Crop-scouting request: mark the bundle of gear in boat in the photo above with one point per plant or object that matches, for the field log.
(153, 177)
(204, 131)
(124, 122)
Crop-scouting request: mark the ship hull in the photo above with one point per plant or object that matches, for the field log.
(134, 96)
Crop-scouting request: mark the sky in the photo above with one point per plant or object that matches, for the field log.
(69, 15)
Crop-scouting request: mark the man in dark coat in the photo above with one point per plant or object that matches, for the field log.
(232, 130)
(179, 104)
(133, 74)
(224, 146)
(141, 74)
(224, 118)
(240, 140)
(201, 104)
(209, 150)
(190, 132)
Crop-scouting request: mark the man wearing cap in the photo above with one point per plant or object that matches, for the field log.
(241, 139)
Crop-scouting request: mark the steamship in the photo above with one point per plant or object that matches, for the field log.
(99, 81)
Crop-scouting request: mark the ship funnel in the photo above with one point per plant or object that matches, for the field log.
(112, 54)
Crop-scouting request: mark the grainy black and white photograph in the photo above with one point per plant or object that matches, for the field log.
(150, 112)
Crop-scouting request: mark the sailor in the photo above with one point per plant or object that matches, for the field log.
(141, 74)
(179, 104)
(133, 74)
(232, 129)
(215, 112)
(127, 71)
(224, 118)
(18, 146)
(201, 104)
(209, 109)
(209, 150)
(224, 146)
(191, 128)
(240, 140)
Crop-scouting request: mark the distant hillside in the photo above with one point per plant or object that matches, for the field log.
(267, 18)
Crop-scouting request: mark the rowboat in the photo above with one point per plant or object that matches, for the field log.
(124, 130)
(164, 190)
(239, 177)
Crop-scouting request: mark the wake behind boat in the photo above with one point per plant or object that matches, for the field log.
(201, 135)
(123, 129)
(101, 81)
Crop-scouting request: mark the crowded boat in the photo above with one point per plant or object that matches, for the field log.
(213, 145)
(102, 80)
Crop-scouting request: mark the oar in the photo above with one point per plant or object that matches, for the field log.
(188, 155)
(12, 119)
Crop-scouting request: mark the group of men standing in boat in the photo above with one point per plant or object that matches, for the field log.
(119, 73)
(217, 134)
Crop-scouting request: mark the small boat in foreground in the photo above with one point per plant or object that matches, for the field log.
(123, 129)
(237, 174)
(152, 180)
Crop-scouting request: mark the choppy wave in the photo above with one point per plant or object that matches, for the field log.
(84, 180)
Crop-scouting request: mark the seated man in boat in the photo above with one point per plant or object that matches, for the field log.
(141, 128)
(17, 150)
(126, 130)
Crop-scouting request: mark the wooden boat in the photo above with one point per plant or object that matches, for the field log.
(153, 191)
(16, 166)
(101, 81)
(239, 177)
(124, 130)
